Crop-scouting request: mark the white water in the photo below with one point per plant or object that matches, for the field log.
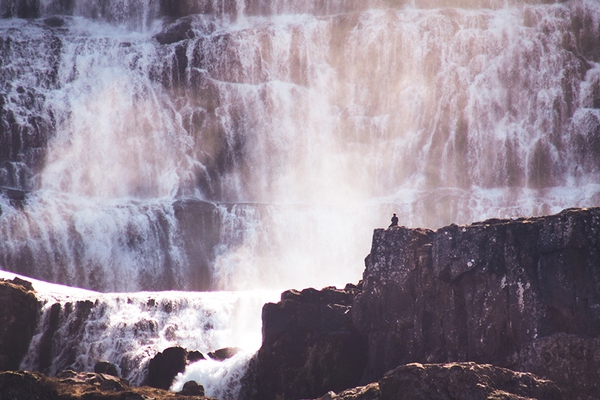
(130, 329)
(306, 124)
(313, 127)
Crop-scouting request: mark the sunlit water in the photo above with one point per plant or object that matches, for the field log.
(302, 124)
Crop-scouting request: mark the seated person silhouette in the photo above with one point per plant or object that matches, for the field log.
(394, 221)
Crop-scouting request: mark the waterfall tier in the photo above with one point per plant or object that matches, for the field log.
(241, 144)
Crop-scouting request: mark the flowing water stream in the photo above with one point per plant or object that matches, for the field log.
(243, 145)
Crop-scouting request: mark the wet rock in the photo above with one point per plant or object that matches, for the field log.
(44, 356)
(224, 353)
(105, 367)
(163, 368)
(200, 223)
(176, 32)
(54, 22)
(181, 8)
(194, 355)
(192, 388)
(309, 346)
(19, 311)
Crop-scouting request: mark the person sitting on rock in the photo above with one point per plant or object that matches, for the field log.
(394, 221)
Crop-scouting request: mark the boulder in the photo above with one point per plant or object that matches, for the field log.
(224, 353)
(105, 367)
(192, 388)
(19, 312)
(163, 368)
(194, 355)
(309, 345)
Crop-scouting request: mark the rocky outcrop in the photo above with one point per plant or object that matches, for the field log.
(520, 294)
(19, 311)
(504, 292)
(70, 385)
(163, 368)
(309, 345)
(105, 367)
(224, 353)
(453, 381)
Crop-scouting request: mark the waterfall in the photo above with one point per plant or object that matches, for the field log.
(130, 329)
(289, 117)
(256, 144)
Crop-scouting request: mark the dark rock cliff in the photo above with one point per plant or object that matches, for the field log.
(520, 294)
(309, 345)
(500, 292)
(19, 311)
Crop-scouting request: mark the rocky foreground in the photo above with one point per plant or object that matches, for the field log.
(523, 295)
(501, 309)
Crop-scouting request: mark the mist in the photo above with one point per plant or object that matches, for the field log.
(304, 125)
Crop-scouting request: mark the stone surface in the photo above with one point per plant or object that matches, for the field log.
(178, 31)
(309, 345)
(70, 385)
(572, 361)
(163, 368)
(105, 367)
(452, 381)
(224, 353)
(491, 292)
(463, 381)
(194, 355)
(519, 294)
(192, 388)
(73, 316)
(200, 226)
(19, 312)
(367, 392)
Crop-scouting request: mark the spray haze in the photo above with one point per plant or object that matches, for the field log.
(305, 124)
(256, 144)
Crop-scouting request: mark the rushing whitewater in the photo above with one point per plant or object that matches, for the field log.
(255, 144)
(130, 329)
(304, 124)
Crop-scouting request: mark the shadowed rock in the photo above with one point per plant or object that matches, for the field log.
(224, 353)
(309, 345)
(491, 292)
(105, 367)
(19, 310)
(71, 385)
(163, 368)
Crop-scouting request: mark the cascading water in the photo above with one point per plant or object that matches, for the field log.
(237, 145)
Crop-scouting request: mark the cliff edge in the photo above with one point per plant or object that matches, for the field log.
(518, 294)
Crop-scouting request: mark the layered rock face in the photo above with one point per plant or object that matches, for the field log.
(519, 294)
(522, 294)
